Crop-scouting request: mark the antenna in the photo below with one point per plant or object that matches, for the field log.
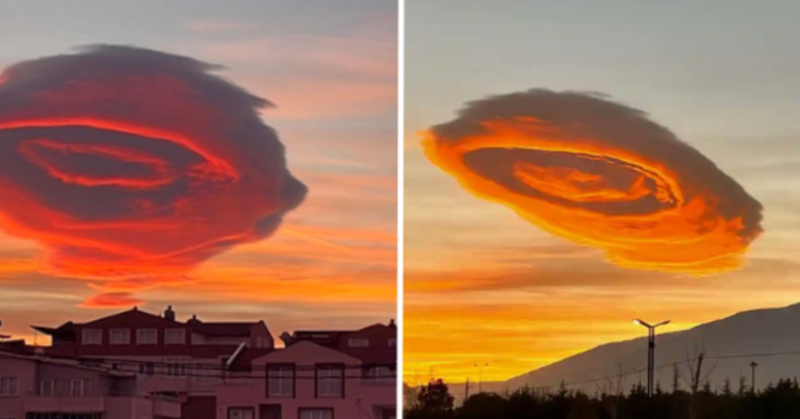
(236, 353)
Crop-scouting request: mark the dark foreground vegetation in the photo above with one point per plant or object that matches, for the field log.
(777, 401)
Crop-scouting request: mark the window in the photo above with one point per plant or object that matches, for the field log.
(316, 413)
(8, 386)
(175, 369)
(392, 342)
(147, 368)
(146, 336)
(77, 388)
(280, 381)
(380, 375)
(206, 373)
(175, 336)
(241, 413)
(358, 343)
(92, 337)
(330, 381)
(120, 337)
(46, 388)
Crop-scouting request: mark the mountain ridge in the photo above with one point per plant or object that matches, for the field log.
(730, 344)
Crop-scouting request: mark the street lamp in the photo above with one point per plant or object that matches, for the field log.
(480, 374)
(651, 351)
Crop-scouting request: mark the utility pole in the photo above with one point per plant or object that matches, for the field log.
(466, 390)
(480, 375)
(651, 360)
(651, 352)
(753, 366)
(696, 379)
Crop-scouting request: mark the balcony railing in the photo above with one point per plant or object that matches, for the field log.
(65, 404)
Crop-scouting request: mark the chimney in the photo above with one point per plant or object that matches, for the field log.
(287, 339)
(193, 319)
(391, 324)
(169, 314)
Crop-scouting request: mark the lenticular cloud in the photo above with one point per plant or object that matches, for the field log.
(602, 174)
(125, 162)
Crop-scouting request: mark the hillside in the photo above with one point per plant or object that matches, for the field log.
(753, 334)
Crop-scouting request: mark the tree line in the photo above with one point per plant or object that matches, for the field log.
(780, 400)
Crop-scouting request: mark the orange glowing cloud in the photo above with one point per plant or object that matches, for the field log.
(111, 300)
(130, 163)
(602, 174)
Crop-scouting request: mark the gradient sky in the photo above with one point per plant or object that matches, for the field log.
(482, 285)
(332, 72)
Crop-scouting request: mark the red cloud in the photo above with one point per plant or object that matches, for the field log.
(600, 173)
(111, 300)
(125, 162)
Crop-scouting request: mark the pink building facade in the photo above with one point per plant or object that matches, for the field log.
(36, 387)
(308, 381)
(222, 370)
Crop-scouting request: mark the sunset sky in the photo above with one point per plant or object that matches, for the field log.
(482, 285)
(332, 72)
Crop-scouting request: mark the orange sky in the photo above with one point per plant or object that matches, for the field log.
(483, 285)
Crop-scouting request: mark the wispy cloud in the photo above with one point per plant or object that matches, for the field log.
(315, 76)
(111, 300)
(218, 26)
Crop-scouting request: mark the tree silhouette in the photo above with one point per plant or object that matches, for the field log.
(435, 400)
(780, 400)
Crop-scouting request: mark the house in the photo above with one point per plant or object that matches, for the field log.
(376, 344)
(136, 332)
(223, 370)
(36, 387)
(307, 381)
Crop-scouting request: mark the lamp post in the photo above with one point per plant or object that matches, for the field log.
(480, 374)
(651, 351)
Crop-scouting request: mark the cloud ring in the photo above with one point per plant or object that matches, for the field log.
(599, 173)
(125, 162)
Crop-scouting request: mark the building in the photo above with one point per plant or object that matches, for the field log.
(319, 375)
(36, 387)
(232, 370)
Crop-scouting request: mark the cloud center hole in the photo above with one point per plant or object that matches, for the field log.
(596, 183)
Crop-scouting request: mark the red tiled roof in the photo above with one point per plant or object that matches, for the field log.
(222, 329)
(65, 328)
(329, 338)
(133, 317)
(136, 317)
(17, 346)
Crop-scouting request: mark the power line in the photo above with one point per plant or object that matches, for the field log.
(216, 372)
(264, 377)
(209, 366)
